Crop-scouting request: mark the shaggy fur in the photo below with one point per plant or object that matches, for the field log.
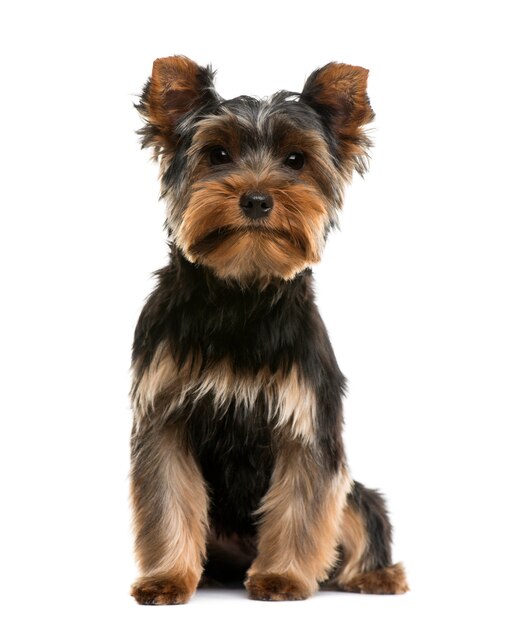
(238, 467)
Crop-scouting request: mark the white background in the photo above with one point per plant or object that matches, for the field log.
(415, 290)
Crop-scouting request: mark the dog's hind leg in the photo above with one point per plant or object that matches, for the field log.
(366, 565)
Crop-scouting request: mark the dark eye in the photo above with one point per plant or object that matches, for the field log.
(295, 160)
(219, 156)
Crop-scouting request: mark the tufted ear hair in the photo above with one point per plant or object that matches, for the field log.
(337, 92)
(177, 87)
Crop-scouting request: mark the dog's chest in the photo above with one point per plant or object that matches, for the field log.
(234, 417)
(279, 400)
(235, 451)
(233, 420)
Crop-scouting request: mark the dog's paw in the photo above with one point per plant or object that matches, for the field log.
(389, 580)
(276, 587)
(163, 590)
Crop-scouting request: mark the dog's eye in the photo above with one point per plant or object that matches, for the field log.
(295, 160)
(219, 156)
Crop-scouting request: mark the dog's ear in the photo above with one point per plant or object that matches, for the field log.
(337, 92)
(177, 87)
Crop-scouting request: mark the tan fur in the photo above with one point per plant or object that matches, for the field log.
(255, 254)
(342, 86)
(357, 572)
(286, 242)
(224, 130)
(388, 580)
(291, 401)
(305, 526)
(354, 541)
(164, 590)
(217, 130)
(170, 505)
(290, 239)
(158, 376)
(300, 523)
(174, 87)
(277, 587)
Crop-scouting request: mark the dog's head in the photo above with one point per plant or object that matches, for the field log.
(253, 186)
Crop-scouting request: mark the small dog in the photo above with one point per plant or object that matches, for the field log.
(238, 468)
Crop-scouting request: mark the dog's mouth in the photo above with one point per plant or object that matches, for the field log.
(219, 236)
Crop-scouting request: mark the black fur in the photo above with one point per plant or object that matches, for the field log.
(249, 324)
(278, 327)
(236, 458)
(371, 506)
(284, 108)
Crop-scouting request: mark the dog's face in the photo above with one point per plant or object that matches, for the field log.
(253, 186)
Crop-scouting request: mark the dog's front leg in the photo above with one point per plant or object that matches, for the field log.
(299, 525)
(170, 515)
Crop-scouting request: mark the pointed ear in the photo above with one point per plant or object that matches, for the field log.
(337, 92)
(177, 87)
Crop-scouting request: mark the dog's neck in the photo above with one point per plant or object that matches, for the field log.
(256, 295)
(193, 311)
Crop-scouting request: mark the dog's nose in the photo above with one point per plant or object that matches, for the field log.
(256, 204)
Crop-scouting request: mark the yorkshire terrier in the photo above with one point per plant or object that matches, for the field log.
(238, 467)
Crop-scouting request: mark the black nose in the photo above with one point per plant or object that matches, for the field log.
(256, 204)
